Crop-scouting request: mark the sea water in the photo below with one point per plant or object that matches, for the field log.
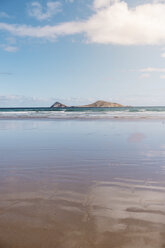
(84, 113)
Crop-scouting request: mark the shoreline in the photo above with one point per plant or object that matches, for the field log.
(130, 118)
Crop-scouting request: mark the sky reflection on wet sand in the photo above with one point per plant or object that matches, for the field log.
(82, 184)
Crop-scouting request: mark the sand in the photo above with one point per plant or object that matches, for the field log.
(81, 184)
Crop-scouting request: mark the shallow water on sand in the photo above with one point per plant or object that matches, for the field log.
(82, 184)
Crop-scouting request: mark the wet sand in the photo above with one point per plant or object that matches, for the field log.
(82, 184)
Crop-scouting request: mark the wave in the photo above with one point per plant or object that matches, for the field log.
(84, 113)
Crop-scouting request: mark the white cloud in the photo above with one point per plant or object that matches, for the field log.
(48, 32)
(10, 49)
(119, 24)
(98, 4)
(113, 22)
(152, 69)
(146, 72)
(36, 10)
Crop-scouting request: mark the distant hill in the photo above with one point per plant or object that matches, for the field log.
(102, 104)
(98, 104)
(58, 105)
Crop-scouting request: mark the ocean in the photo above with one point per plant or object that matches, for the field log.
(84, 113)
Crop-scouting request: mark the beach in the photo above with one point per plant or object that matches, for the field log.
(73, 183)
(82, 124)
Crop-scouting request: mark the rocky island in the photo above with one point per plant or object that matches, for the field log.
(58, 105)
(102, 104)
(97, 104)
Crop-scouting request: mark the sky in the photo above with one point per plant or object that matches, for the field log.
(80, 51)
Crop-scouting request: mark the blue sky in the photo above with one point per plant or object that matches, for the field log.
(77, 51)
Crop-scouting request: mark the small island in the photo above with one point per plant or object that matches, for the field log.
(102, 104)
(58, 105)
(97, 104)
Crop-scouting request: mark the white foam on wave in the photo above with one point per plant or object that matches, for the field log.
(83, 114)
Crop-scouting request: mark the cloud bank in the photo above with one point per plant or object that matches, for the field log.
(112, 22)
